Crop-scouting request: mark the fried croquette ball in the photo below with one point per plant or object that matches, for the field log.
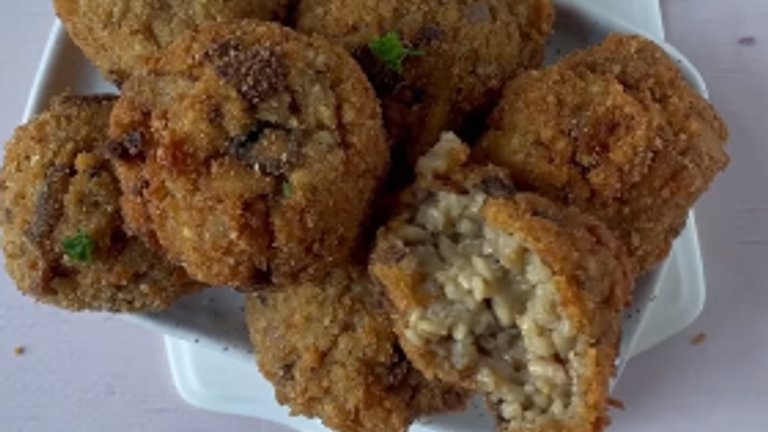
(466, 51)
(62, 231)
(329, 350)
(508, 294)
(119, 35)
(251, 153)
(615, 131)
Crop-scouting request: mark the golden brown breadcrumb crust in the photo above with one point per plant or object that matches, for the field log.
(330, 352)
(616, 131)
(251, 152)
(594, 282)
(469, 50)
(119, 35)
(56, 183)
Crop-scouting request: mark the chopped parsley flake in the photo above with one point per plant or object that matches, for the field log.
(79, 247)
(287, 190)
(390, 50)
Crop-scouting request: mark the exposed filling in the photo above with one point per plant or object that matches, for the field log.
(498, 316)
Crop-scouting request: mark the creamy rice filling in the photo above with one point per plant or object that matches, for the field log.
(499, 315)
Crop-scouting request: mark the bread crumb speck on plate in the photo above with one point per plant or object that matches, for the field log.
(699, 339)
(19, 350)
(615, 403)
(747, 41)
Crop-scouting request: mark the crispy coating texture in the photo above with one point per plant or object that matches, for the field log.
(250, 152)
(594, 282)
(615, 131)
(56, 183)
(592, 278)
(118, 35)
(470, 49)
(330, 352)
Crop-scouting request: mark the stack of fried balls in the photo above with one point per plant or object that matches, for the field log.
(416, 210)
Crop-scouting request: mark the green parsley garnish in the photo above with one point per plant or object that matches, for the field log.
(78, 247)
(287, 190)
(390, 50)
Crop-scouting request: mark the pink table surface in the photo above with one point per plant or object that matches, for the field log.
(97, 373)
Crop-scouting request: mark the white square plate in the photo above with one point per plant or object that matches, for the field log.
(214, 318)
